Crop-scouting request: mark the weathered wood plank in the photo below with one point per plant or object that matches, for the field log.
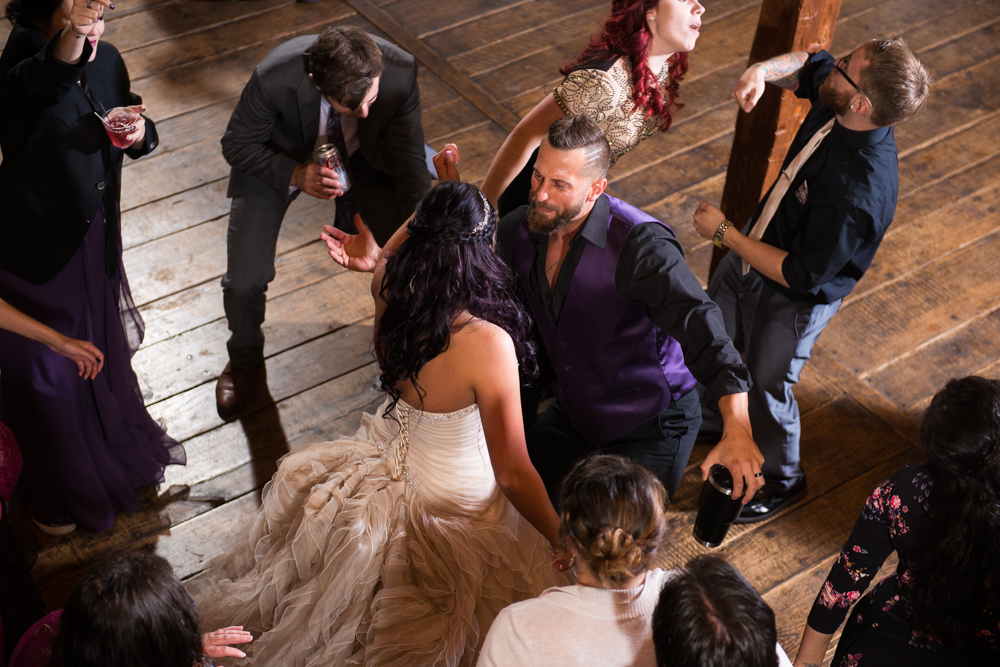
(235, 444)
(159, 176)
(830, 460)
(206, 43)
(174, 20)
(519, 20)
(175, 213)
(201, 304)
(925, 371)
(423, 19)
(870, 333)
(936, 235)
(293, 371)
(199, 355)
(434, 62)
(192, 256)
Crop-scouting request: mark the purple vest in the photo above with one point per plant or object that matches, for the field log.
(615, 369)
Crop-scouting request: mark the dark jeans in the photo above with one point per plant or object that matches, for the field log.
(662, 444)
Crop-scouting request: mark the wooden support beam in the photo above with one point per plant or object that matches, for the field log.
(762, 136)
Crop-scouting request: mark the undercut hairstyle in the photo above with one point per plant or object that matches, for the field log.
(444, 268)
(576, 132)
(344, 62)
(130, 611)
(956, 570)
(708, 615)
(613, 515)
(32, 13)
(895, 80)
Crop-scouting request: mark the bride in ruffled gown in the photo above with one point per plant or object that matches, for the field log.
(399, 545)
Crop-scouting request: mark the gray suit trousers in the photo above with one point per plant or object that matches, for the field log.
(254, 222)
(776, 336)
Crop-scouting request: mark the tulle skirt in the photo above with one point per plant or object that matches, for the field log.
(344, 565)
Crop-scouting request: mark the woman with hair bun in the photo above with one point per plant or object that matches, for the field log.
(627, 80)
(399, 545)
(942, 604)
(612, 524)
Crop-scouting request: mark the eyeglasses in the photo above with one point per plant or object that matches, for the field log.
(837, 67)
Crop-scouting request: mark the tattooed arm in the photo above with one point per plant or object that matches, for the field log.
(812, 650)
(781, 71)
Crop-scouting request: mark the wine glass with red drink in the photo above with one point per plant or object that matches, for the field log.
(120, 122)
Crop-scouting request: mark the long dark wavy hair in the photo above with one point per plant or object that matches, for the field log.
(130, 611)
(625, 34)
(444, 268)
(956, 572)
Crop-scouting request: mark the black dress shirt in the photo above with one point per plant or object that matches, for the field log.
(650, 270)
(839, 206)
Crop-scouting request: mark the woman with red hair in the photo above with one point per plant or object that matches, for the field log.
(627, 80)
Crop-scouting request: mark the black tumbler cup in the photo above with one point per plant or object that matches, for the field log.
(717, 509)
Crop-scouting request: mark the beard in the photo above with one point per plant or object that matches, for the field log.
(839, 103)
(539, 224)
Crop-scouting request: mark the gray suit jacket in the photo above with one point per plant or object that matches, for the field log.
(274, 126)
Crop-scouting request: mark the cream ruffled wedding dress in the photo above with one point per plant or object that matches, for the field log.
(394, 547)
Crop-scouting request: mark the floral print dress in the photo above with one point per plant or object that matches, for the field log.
(878, 631)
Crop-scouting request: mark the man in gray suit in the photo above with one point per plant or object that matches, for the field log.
(344, 87)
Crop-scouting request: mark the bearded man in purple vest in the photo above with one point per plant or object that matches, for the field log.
(627, 329)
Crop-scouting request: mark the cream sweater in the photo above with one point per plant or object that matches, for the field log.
(580, 625)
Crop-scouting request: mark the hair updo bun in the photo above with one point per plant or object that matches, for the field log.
(613, 515)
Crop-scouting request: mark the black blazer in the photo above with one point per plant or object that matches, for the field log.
(274, 126)
(58, 162)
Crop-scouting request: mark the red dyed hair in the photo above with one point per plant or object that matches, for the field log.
(625, 34)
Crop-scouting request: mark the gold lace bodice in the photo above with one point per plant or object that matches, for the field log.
(606, 97)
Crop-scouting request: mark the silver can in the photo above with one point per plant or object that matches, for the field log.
(328, 156)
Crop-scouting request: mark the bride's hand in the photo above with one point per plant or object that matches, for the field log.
(445, 161)
(357, 252)
(217, 644)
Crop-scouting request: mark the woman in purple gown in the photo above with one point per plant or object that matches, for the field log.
(88, 444)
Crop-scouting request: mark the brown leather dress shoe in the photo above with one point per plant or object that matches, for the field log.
(233, 390)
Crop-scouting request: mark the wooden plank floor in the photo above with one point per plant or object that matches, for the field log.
(928, 309)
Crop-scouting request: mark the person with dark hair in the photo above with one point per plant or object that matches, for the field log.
(88, 442)
(627, 80)
(613, 525)
(401, 544)
(130, 611)
(343, 87)
(708, 615)
(626, 326)
(813, 235)
(941, 606)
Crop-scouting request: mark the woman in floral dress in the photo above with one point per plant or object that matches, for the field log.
(940, 606)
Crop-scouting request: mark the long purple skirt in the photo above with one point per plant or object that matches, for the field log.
(88, 445)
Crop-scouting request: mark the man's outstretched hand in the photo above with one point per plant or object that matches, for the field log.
(445, 162)
(357, 252)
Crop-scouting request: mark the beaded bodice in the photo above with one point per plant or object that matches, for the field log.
(605, 95)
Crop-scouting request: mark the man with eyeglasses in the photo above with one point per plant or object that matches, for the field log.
(813, 235)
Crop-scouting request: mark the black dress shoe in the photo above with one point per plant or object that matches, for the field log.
(769, 499)
(233, 390)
